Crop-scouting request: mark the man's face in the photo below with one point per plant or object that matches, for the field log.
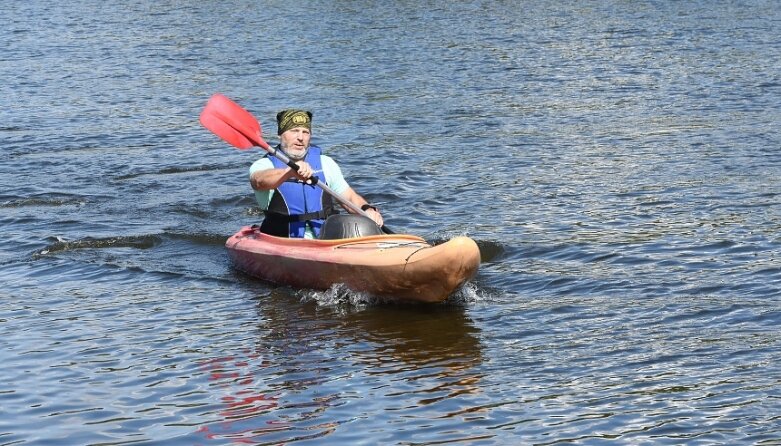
(295, 141)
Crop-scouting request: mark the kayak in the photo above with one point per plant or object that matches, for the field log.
(351, 249)
(397, 267)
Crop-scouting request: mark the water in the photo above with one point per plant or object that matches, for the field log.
(617, 163)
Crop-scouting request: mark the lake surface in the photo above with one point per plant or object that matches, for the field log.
(617, 162)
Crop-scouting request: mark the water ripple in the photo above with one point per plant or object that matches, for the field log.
(617, 165)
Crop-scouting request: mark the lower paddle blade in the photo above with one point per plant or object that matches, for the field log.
(232, 123)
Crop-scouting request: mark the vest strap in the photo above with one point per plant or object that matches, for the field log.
(319, 215)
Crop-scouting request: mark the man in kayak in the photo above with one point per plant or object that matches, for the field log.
(292, 207)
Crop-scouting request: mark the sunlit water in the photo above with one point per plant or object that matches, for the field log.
(617, 163)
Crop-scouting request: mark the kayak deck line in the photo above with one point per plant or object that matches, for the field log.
(406, 261)
(380, 245)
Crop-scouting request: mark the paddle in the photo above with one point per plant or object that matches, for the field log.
(240, 129)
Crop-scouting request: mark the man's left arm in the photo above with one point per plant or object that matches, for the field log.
(335, 179)
(360, 202)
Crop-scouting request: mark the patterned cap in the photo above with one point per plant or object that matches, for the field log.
(288, 119)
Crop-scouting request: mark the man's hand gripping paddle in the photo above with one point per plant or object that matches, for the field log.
(240, 129)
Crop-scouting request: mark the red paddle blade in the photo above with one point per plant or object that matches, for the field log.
(232, 123)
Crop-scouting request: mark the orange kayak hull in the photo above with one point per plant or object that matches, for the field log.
(398, 267)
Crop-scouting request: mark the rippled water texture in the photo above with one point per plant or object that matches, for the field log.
(618, 164)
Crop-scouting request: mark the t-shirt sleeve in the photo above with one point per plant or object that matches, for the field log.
(261, 164)
(333, 175)
(263, 197)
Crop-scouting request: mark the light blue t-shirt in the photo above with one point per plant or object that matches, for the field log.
(333, 178)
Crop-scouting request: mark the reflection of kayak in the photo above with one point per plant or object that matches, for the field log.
(401, 267)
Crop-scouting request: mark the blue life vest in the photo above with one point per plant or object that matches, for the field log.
(296, 203)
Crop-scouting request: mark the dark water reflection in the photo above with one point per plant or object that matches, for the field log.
(616, 163)
(312, 364)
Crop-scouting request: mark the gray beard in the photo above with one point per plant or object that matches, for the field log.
(294, 157)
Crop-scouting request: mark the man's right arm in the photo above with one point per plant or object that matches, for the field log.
(263, 175)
